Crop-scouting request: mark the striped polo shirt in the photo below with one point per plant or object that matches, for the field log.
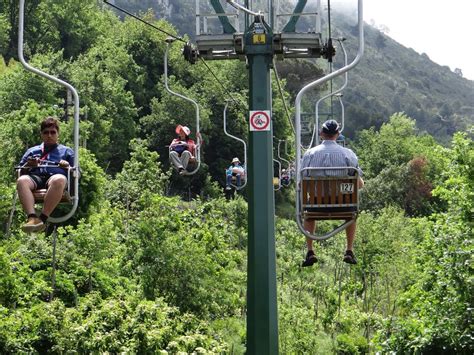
(329, 154)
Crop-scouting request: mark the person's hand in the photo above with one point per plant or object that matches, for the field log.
(32, 161)
(63, 164)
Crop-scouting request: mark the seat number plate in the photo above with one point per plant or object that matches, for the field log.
(346, 188)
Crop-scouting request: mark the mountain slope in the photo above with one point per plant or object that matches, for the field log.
(392, 78)
(389, 78)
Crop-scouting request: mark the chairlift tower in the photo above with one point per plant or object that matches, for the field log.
(258, 44)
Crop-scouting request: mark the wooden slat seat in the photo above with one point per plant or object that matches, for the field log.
(329, 198)
(40, 194)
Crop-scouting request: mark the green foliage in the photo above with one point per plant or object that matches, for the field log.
(396, 143)
(146, 47)
(458, 186)
(52, 25)
(4, 29)
(94, 253)
(8, 291)
(92, 184)
(140, 177)
(111, 325)
(101, 76)
(400, 167)
(436, 305)
(17, 86)
(184, 255)
(351, 344)
(138, 272)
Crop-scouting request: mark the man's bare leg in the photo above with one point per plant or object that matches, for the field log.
(350, 235)
(349, 256)
(310, 259)
(309, 225)
(56, 185)
(25, 187)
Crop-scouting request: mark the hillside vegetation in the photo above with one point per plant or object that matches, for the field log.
(389, 78)
(392, 78)
(154, 262)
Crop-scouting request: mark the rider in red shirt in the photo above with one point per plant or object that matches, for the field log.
(182, 149)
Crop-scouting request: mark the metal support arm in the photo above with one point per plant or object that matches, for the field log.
(241, 141)
(320, 81)
(198, 135)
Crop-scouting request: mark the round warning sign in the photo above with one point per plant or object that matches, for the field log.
(259, 120)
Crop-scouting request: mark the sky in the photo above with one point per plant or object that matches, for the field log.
(444, 30)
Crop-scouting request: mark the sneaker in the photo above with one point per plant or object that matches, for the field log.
(349, 257)
(228, 188)
(34, 224)
(310, 259)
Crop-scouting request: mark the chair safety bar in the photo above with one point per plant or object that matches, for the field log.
(241, 141)
(170, 40)
(71, 171)
(349, 217)
(75, 95)
(316, 83)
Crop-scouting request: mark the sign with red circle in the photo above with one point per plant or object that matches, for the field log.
(259, 120)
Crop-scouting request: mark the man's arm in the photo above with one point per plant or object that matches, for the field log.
(25, 157)
(69, 157)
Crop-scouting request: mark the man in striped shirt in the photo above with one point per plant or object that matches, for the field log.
(330, 154)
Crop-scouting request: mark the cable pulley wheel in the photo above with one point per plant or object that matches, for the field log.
(189, 53)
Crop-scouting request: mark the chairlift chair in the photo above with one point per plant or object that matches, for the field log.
(244, 179)
(170, 40)
(71, 194)
(328, 197)
(340, 192)
(284, 160)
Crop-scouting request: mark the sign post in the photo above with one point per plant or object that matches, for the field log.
(258, 45)
(262, 318)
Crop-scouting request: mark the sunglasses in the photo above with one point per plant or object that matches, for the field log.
(49, 132)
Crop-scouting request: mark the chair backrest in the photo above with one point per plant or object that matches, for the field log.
(329, 197)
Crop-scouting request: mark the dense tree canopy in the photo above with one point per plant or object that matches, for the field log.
(154, 262)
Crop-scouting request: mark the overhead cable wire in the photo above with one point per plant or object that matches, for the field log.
(330, 62)
(145, 22)
(181, 40)
(226, 91)
(280, 89)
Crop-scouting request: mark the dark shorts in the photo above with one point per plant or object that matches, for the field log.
(41, 181)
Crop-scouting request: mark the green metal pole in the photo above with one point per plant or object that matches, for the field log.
(262, 315)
